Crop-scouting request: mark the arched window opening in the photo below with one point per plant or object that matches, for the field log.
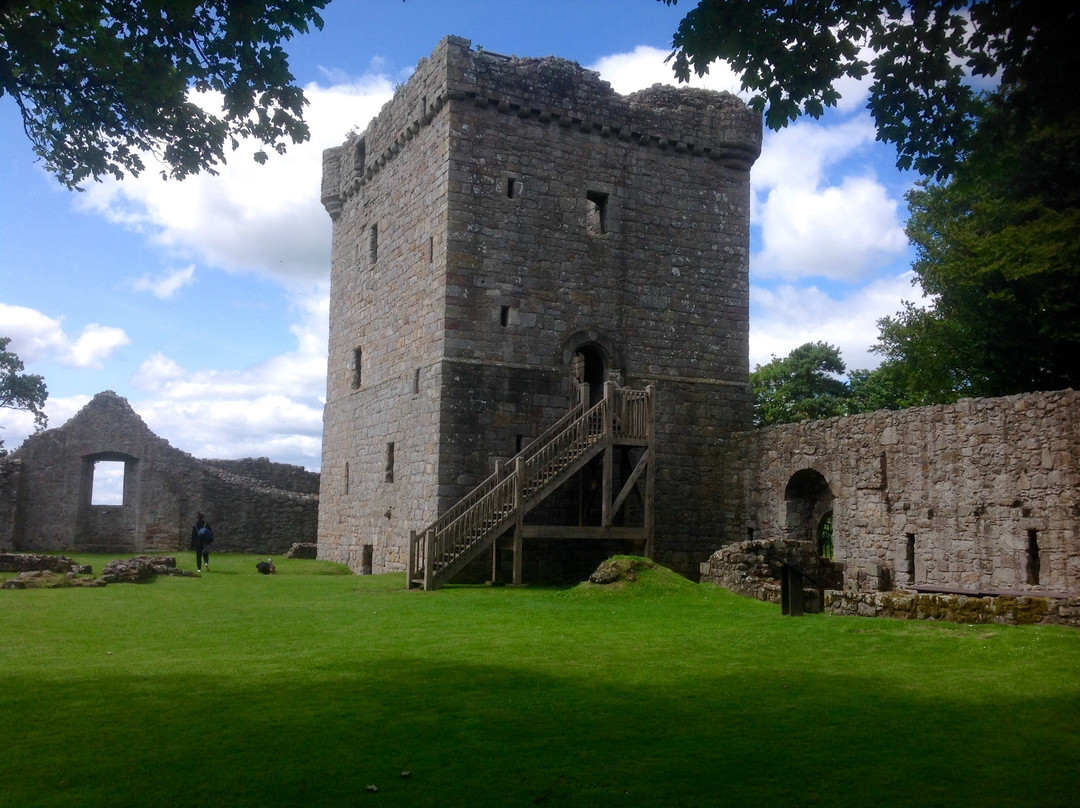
(824, 536)
(808, 501)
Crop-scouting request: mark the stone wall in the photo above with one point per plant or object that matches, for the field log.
(981, 496)
(47, 501)
(499, 217)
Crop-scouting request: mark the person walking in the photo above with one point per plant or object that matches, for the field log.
(201, 537)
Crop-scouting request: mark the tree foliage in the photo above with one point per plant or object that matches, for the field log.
(805, 384)
(920, 57)
(100, 83)
(18, 390)
(998, 251)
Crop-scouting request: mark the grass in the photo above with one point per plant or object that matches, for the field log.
(304, 688)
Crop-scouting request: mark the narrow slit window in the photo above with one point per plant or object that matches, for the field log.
(357, 365)
(504, 316)
(346, 478)
(360, 156)
(390, 462)
(1033, 561)
(596, 213)
(431, 249)
(513, 188)
(373, 243)
(416, 381)
(909, 556)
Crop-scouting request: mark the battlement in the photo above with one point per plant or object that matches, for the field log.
(553, 91)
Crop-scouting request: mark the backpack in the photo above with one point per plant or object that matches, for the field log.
(206, 534)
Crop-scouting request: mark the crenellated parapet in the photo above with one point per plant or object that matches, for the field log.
(549, 90)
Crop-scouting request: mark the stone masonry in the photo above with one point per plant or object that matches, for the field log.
(981, 496)
(503, 225)
(46, 492)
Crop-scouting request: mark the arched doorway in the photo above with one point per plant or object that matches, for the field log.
(809, 507)
(590, 366)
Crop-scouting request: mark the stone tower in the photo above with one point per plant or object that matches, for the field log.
(501, 227)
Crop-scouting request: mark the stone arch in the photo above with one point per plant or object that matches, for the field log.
(592, 357)
(808, 500)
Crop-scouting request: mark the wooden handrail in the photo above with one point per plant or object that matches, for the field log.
(487, 508)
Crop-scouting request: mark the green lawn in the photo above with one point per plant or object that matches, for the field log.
(302, 689)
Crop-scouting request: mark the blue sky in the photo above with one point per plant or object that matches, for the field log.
(204, 302)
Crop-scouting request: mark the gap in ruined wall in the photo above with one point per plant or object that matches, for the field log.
(108, 485)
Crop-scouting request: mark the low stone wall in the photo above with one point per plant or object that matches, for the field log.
(909, 605)
(752, 568)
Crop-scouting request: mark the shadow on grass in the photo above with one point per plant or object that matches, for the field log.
(496, 735)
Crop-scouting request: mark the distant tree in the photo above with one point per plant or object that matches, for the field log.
(920, 57)
(883, 388)
(99, 83)
(20, 391)
(805, 384)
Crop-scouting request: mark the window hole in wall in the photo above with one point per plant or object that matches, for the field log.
(373, 243)
(431, 249)
(390, 462)
(504, 316)
(108, 485)
(1033, 561)
(416, 381)
(596, 213)
(360, 156)
(513, 188)
(909, 557)
(749, 534)
(519, 443)
(358, 355)
(346, 478)
(366, 554)
(825, 536)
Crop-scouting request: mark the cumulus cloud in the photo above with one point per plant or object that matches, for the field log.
(36, 337)
(644, 66)
(163, 287)
(785, 317)
(270, 409)
(256, 218)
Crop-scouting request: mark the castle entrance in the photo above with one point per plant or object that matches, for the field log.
(590, 366)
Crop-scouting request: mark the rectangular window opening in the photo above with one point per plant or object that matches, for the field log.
(357, 364)
(431, 249)
(416, 381)
(108, 484)
(390, 462)
(373, 243)
(504, 316)
(1033, 561)
(513, 188)
(909, 557)
(346, 478)
(520, 442)
(596, 213)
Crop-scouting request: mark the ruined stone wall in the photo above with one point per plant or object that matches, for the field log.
(47, 504)
(275, 475)
(981, 495)
(556, 214)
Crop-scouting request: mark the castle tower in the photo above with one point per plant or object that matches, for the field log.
(506, 225)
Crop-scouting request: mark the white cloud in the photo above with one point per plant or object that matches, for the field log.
(36, 337)
(645, 66)
(786, 317)
(165, 286)
(265, 219)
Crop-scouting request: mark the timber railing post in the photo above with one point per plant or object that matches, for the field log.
(610, 394)
(519, 516)
(650, 472)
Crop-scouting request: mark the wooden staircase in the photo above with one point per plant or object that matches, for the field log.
(500, 502)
